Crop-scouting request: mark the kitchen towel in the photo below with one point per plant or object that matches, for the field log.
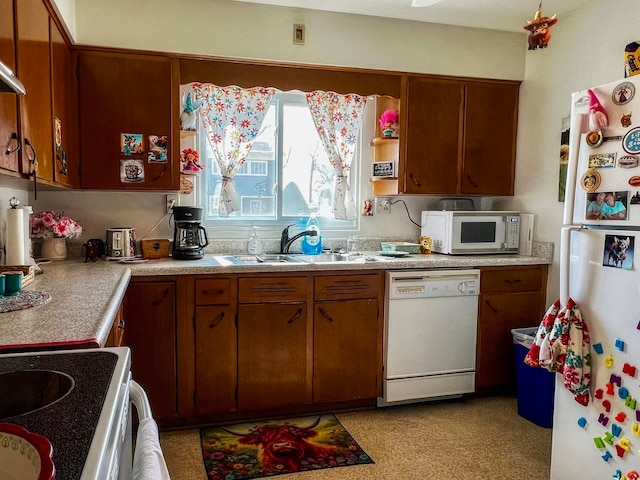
(148, 461)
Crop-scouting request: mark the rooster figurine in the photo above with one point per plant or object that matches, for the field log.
(189, 110)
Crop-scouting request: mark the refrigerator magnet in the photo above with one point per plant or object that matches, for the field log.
(157, 149)
(590, 180)
(131, 144)
(623, 93)
(618, 251)
(631, 141)
(628, 161)
(602, 160)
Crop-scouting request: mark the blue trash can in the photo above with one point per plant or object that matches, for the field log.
(534, 386)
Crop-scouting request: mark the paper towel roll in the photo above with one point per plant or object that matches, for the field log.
(15, 237)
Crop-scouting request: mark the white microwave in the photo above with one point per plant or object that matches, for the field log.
(472, 232)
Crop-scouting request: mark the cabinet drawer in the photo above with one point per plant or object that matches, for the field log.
(213, 291)
(273, 289)
(518, 279)
(347, 287)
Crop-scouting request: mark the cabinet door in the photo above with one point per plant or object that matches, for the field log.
(65, 140)
(346, 353)
(498, 314)
(216, 359)
(150, 333)
(126, 94)
(8, 101)
(32, 34)
(432, 136)
(274, 355)
(491, 119)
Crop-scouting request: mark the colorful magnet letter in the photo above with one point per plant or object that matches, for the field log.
(608, 361)
(625, 443)
(597, 347)
(620, 451)
(620, 345)
(610, 389)
(599, 393)
(635, 428)
(616, 430)
(607, 405)
(607, 456)
(582, 422)
(615, 379)
(629, 370)
(621, 417)
(623, 393)
(633, 475)
(603, 420)
(598, 442)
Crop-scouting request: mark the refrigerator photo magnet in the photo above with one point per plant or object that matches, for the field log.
(157, 149)
(607, 205)
(131, 144)
(618, 251)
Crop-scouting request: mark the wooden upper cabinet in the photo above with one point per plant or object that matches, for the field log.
(33, 69)
(8, 101)
(430, 123)
(127, 94)
(490, 127)
(65, 137)
(458, 137)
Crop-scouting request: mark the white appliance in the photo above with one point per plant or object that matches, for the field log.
(471, 232)
(430, 334)
(591, 442)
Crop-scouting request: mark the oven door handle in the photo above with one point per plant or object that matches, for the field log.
(140, 400)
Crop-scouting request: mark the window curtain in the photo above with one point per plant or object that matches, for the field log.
(338, 119)
(232, 117)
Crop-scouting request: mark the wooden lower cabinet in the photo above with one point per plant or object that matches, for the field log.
(510, 297)
(346, 363)
(150, 313)
(116, 333)
(274, 364)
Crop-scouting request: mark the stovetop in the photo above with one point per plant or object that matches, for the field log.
(70, 423)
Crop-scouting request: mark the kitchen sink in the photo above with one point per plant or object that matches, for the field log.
(262, 259)
(329, 258)
(25, 391)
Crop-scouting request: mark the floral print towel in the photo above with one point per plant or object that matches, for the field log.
(562, 345)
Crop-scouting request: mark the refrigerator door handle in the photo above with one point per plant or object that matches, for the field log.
(565, 262)
(575, 134)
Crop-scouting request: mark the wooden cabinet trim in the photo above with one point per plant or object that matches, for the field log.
(273, 289)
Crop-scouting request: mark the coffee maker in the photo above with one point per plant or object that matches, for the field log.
(189, 237)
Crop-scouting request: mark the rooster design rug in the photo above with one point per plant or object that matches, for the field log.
(274, 447)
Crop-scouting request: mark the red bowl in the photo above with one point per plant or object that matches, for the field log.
(25, 455)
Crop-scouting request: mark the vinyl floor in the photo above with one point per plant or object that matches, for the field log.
(470, 439)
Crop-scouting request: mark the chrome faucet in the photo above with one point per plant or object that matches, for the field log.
(285, 241)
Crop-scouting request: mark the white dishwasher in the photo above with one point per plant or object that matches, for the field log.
(430, 334)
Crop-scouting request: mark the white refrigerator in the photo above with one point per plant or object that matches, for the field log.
(599, 271)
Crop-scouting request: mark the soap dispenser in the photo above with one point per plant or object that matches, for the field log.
(254, 245)
(312, 245)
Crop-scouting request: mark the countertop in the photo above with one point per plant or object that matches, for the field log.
(86, 296)
(84, 301)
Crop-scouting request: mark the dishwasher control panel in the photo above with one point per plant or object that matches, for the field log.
(432, 283)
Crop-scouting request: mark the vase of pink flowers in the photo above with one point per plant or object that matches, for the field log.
(54, 229)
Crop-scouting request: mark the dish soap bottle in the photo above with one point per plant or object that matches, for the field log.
(312, 245)
(254, 245)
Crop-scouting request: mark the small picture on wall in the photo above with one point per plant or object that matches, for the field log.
(618, 251)
(131, 144)
(131, 171)
(157, 149)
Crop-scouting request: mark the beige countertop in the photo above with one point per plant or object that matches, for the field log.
(86, 296)
(84, 301)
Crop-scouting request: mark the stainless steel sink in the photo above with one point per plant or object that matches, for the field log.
(25, 391)
(262, 259)
(329, 258)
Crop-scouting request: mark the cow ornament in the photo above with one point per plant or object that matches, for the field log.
(540, 29)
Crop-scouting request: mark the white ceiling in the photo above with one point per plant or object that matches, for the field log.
(507, 15)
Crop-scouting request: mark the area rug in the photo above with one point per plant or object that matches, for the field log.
(275, 447)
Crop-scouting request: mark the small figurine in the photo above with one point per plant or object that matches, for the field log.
(189, 109)
(540, 29)
(94, 249)
(389, 123)
(597, 114)
(189, 161)
(367, 208)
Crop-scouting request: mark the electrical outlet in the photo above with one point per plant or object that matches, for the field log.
(383, 205)
(172, 200)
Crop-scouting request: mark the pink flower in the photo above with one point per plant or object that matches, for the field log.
(49, 224)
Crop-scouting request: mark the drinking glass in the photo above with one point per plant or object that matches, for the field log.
(353, 243)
